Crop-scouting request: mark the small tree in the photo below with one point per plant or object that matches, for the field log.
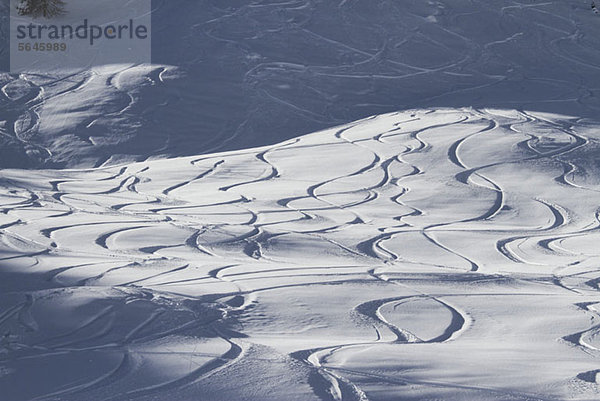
(41, 8)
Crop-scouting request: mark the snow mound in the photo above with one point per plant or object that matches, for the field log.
(429, 254)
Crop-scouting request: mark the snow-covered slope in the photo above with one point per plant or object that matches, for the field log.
(236, 74)
(426, 254)
(443, 250)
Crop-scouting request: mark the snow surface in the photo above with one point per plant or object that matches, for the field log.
(445, 251)
(234, 74)
(427, 254)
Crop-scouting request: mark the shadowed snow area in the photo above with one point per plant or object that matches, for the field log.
(443, 246)
(233, 74)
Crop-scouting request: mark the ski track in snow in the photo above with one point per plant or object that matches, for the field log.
(364, 232)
